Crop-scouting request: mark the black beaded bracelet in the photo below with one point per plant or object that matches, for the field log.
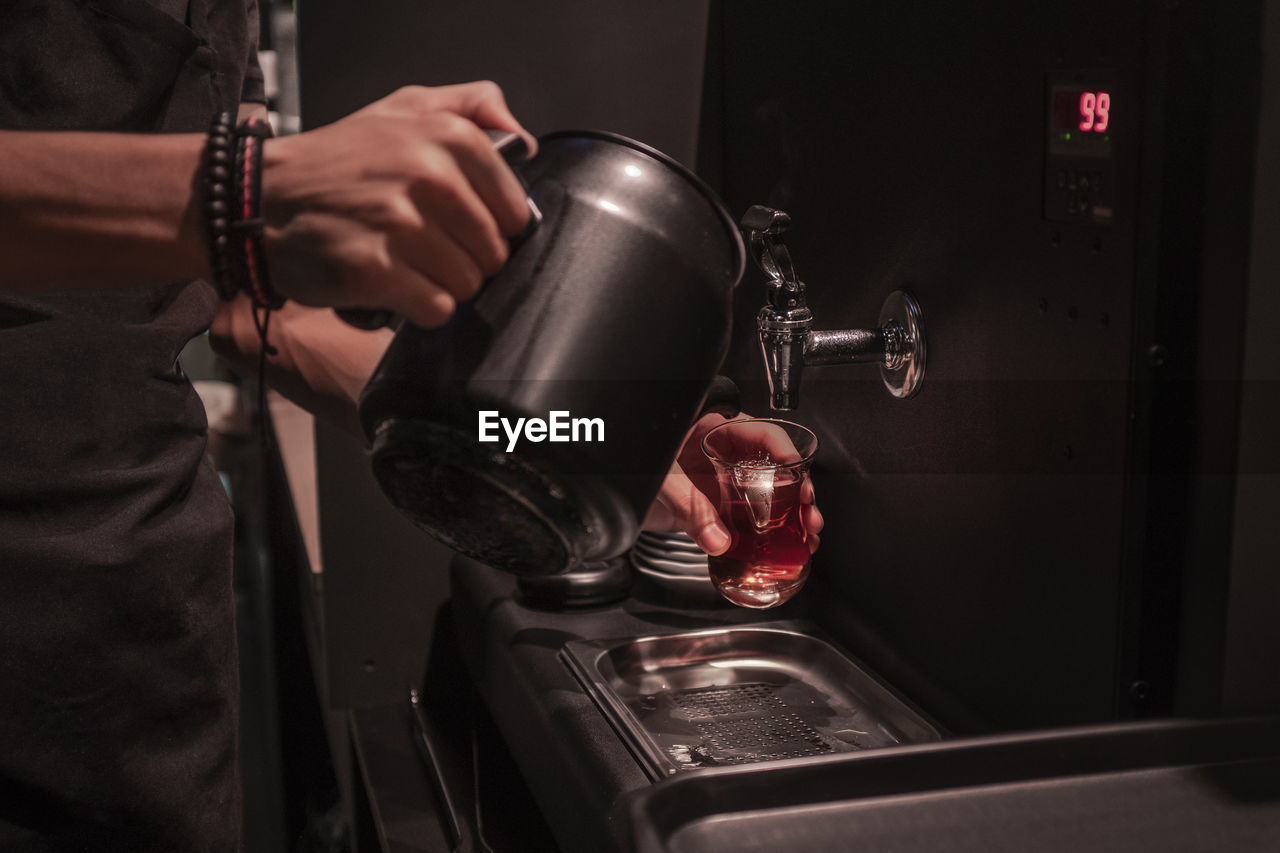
(233, 190)
(219, 181)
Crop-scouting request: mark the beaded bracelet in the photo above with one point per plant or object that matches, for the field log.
(217, 169)
(233, 191)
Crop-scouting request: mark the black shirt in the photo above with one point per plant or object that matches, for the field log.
(118, 691)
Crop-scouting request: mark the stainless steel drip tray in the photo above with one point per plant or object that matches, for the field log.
(740, 695)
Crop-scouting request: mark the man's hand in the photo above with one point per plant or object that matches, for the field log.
(403, 205)
(690, 494)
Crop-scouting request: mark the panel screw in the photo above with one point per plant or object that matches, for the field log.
(1157, 355)
(1139, 690)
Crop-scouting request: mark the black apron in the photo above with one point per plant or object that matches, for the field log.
(118, 685)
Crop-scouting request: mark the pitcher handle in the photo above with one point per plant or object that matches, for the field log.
(514, 150)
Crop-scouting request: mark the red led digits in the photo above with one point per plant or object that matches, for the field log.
(1087, 102)
(1102, 110)
(1095, 111)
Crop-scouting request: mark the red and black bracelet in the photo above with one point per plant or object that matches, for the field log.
(248, 228)
(232, 171)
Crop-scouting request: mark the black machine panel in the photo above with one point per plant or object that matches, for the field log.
(988, 158)
(1080, 122)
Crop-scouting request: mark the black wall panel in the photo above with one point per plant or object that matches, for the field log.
(994, 545)
(629, 68)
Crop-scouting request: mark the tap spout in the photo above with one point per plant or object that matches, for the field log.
(788, 341)
(784, 336)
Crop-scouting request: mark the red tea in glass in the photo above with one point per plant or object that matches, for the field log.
(762, 466)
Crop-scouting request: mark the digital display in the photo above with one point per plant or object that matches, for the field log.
(1083, 111)
(1080, 123)
(1081, 118)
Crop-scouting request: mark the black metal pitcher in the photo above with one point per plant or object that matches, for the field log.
(587, 358)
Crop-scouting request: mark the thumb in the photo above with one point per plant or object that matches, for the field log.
(681, 504)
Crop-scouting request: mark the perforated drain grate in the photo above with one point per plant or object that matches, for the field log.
(745, 723)
(720, 701)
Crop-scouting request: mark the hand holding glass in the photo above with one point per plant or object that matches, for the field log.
(762, 468)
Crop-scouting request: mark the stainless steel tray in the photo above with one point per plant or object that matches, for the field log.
(740, 695)
(1169, 785)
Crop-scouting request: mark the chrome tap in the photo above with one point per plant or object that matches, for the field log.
(785, 323)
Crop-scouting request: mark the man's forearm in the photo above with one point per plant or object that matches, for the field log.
(97, 209)
(321, 363)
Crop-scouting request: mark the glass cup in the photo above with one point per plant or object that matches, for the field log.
(762, 467)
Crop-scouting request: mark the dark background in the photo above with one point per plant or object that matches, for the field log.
(1073, 520)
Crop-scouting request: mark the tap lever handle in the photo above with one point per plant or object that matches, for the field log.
(763, 228)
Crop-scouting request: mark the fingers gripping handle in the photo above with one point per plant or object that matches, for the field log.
(514, 150)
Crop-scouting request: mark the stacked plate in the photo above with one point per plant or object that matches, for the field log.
(673, 561)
